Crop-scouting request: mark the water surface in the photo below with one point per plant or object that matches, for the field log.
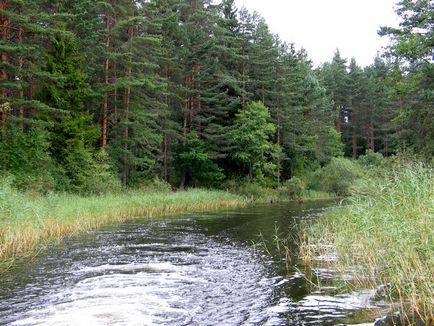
(190, 269)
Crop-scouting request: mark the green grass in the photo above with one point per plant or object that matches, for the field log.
(317, 195)
(385, 230)
(27, 222)
(261, 194)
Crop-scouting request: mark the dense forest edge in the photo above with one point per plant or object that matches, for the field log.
(107, 104)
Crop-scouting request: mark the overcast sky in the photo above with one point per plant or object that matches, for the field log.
(321, 26)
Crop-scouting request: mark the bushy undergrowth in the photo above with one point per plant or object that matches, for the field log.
(338, 176)
(293, 188)
(26, 221)
(386, 233)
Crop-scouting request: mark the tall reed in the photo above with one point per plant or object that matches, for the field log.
(28, 222)
(385, 233)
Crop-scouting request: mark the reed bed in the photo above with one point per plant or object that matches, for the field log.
(384, 232)
(28, 223)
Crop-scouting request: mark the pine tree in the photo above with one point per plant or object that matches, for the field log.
(221, 92)
(357, 90)
(335, 77)
(24, 30)
(381, 105)
(173, 54)
(412, 47)
(137, 139)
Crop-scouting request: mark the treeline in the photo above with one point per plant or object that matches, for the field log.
(95, 94)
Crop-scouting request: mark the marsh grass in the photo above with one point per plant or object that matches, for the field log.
(284, 193)
(384, 232)
(27, 223)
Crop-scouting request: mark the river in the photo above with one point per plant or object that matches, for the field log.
(189, 269)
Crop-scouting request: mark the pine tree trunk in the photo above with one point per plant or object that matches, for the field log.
(5, 26)
(106, 82)
(371, 142)
(353, 125)
(371, 136)
(115, 98)
(21, 66)
(338, 122)
(31, 88)
(243, 101)
(165, 137)
(187, 105)
(192, 97)
(278, 139)
(127, 94)
(199, 100)
(165, 157)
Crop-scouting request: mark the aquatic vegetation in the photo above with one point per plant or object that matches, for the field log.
(384, 232)
(27, 223)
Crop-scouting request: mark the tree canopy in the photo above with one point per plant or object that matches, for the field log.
(196, 92)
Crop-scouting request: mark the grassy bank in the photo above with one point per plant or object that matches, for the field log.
(385, 233)
(27, 223)
(286, 192)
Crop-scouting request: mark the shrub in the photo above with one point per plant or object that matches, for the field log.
(371, 159)
(24, 153)
(293, 188)
(91, 174)
(256, 191)
(155, 185)
(339, 175)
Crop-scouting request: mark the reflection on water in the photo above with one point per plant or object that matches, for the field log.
(197, 269)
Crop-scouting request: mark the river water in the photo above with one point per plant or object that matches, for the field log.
(190, 269)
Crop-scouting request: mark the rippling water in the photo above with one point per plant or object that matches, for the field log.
(189, 270)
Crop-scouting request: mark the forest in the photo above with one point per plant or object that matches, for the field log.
(96, 96)
(109, 109)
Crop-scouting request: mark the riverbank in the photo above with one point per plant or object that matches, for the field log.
(383, 233)
(28, 223)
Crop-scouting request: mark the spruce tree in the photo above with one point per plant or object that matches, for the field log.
(72, 131)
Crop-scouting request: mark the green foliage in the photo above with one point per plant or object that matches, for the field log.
(22, 154)
(194, 161)
(88, 173)
(371, 159)
(293, 188)
(253, 147)
(72, 132)
(386, 230)
(331, 146)
(155, 185)
(256, 191)
(412, 49)
(66, 92)
(149, 72)
(339, 176)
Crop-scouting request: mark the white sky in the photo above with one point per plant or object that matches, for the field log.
(321, 26)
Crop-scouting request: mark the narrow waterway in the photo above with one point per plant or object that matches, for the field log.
(191, 269)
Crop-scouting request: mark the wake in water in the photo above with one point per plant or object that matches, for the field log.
(184, 271)
(188, 280)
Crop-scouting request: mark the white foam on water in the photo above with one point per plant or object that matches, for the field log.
(225, 286)
(323, 303)
(122, 299)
